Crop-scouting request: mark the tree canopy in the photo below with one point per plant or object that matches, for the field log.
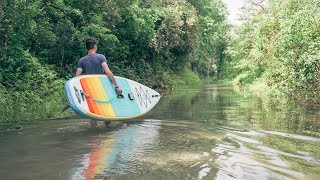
(42, 40)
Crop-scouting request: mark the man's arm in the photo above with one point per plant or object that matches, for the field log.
(111, 76)
(79, 71)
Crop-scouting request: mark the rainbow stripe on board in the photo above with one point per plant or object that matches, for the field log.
(93, 87)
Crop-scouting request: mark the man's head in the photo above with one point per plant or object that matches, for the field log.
(91, 43)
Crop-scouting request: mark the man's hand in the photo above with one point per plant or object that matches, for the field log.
(118, 90)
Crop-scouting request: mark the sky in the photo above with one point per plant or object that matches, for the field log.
(234, 10)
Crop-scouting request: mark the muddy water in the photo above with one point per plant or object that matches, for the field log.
(210, 133)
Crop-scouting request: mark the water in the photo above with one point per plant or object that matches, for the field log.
(210, 133)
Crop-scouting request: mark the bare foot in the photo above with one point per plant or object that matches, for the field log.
(124, 125)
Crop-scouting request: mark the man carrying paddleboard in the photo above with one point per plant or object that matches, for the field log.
(94, 63)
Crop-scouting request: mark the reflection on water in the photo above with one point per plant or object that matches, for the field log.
(211, 133)
(117, 152)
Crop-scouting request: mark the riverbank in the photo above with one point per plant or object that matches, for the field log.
(23, 108)
(275, 92)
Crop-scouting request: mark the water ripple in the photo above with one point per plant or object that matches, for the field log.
(293, 136)
(240, 157)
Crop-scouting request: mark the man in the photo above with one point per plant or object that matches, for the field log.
(94, 63)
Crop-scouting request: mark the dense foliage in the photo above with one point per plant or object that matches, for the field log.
(154, 42)
(42, 40)
(278, 47)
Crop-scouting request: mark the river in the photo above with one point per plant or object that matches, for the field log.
(209, 133)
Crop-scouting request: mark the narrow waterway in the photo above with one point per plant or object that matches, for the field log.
(209, 133)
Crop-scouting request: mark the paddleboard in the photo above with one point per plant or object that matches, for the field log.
(94, 97)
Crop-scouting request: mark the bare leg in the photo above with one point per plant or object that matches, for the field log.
(107, 123)
(93, 123)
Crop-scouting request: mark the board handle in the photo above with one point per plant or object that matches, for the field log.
(120, 96)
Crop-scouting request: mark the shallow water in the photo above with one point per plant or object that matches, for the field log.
(210, 133)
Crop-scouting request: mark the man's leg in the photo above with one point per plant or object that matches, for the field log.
(93, 123)
(107, 123)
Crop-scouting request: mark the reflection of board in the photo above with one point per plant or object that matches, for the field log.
(94, 97)
(118, 152)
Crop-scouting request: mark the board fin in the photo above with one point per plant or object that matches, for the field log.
(64, 109)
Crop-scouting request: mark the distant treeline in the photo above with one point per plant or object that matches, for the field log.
(278, 48)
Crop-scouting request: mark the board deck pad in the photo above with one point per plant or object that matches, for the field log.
(94, 97)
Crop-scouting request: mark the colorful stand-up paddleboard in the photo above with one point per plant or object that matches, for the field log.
(94, 97)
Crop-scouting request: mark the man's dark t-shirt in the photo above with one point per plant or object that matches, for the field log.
(91, 63)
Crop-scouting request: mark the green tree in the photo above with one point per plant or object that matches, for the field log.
(281, 47)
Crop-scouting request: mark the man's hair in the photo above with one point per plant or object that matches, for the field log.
(90, 42)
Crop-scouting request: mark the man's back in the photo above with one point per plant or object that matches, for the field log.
(91, 63)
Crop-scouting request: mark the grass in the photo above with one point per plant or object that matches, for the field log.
(20, 108)
(184, 78)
